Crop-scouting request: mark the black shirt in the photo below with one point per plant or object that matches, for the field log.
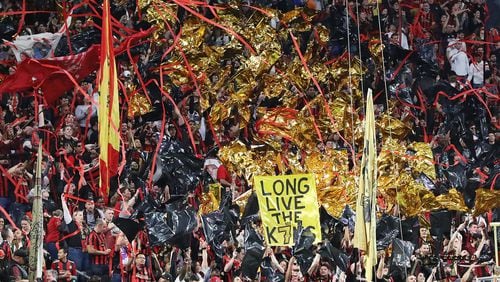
(74, 241)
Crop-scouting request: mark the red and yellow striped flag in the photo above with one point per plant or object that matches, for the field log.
(109, 118)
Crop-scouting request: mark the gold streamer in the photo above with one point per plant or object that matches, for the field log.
(486, 200)
(452, 200)
(138, 105)
(231, 80)
(208, 203)
(423, 160)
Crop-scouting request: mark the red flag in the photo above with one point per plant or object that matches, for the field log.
(53, 76)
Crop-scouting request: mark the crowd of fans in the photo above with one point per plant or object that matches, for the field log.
(82, 243)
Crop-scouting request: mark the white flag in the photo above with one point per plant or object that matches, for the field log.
(36, 46)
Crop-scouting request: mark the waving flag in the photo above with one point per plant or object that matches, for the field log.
(54, 76)
(36, 46)
(109, 119)
(365, 232)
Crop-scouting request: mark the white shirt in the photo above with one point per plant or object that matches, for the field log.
(459, 63)
(476, 72)
(82, 113)
(404, 41)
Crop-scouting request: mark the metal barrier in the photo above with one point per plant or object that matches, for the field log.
(495, 278)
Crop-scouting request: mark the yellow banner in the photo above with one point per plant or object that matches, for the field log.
(284, 202)
(365, 227)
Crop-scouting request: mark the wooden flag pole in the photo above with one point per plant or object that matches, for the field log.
(36, 246)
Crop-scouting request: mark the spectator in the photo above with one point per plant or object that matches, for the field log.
(98, 251)
(74, 235)
(65, 269)
(7, 244)
(53, 235)
(19, 270)
(477, 69)
(121, 259)
(458, 60)
(140, 271)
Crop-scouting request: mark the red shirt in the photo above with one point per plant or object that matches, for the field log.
(53, 233)
(61, 267)
(109, 238)
(118, 207)
(98, 241)
(222, 173)
(6, 249)
(228, 276)
(141, 275)
(142, 239)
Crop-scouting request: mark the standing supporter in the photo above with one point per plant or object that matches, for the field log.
(98, 251)
(75, 235)
(121, 259)
(110, 229)
(84, 113)
(477, 69)
(426, 17)
(53, 234)
(458, 59)
(19, 188)
(232, 262)
(141, 241)
(140, 271)
(90, 213)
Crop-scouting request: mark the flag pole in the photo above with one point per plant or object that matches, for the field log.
(36, 246)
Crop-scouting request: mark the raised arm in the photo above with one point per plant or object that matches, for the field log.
(380, 268)
(204, 255)
(288, 274)
(432, 276)
(314, 265)
(454, 236)
(230, 263)
(445, 22)
(66, 213)
(481, 244)
(444, 4)
(275, 263)
(467, 275)
(457, 24)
